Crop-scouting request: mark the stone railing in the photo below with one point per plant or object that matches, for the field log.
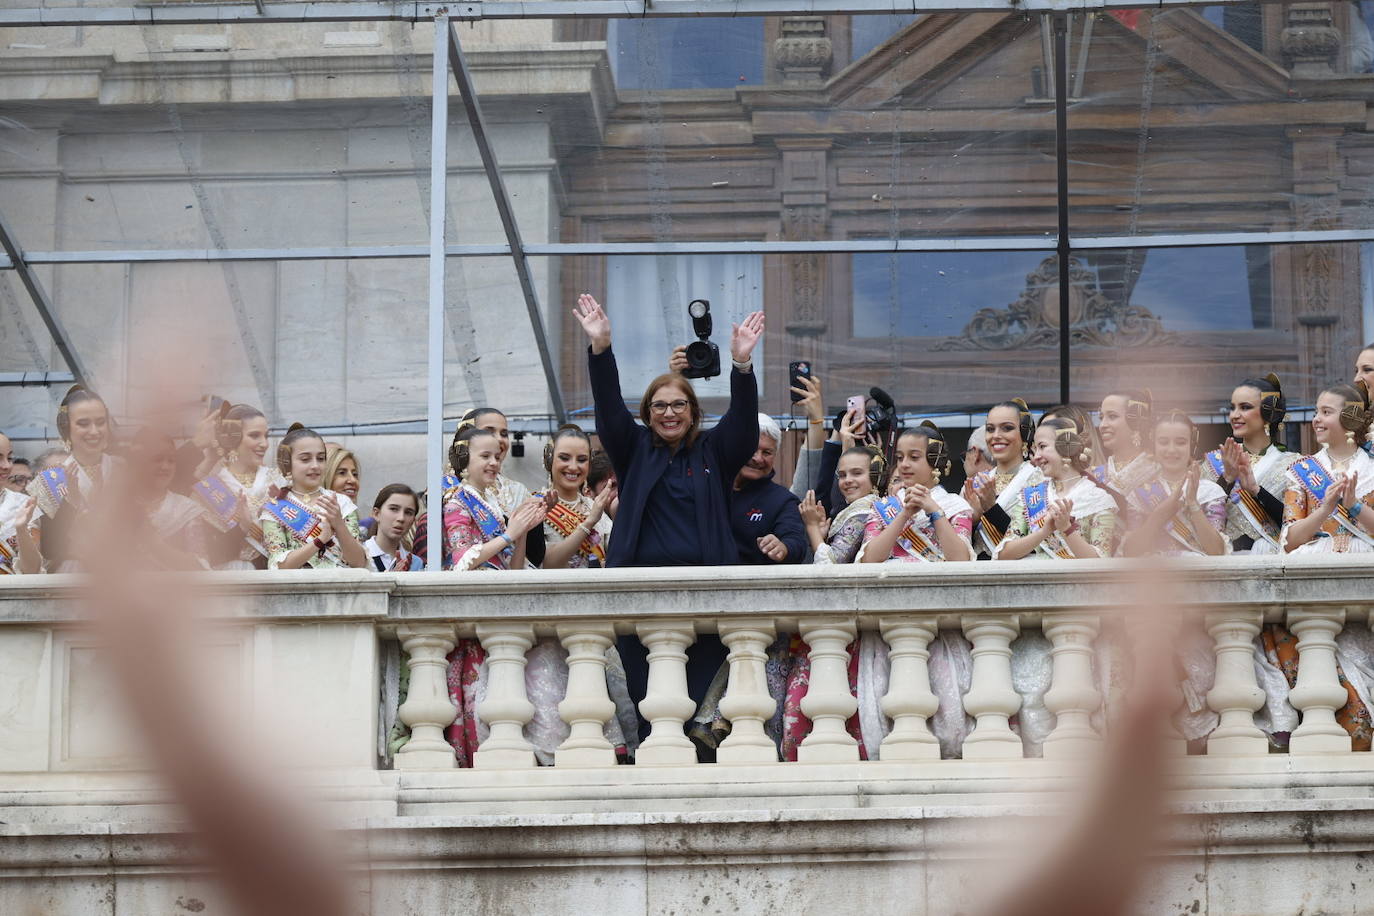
(81, 819)
(312, 641)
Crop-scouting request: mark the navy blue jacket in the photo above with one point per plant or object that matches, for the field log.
(715, 458)
(762, 507)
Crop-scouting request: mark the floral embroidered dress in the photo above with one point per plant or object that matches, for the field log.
(1299, 502)
(181, 522)
(564, 517)
(1253, 519)
(927, 547)
(846, 533)
(1093, 509)
(1179, 538)
(254, 495)
(992, 526)
(280, 540)
(11, 504)
(1135, 473)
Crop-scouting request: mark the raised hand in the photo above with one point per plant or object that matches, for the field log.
(1190, 484)
(206, 429)
(812, 512)
(594, 321)
(677, 360)
(1245, 476)
(851, 429)
(743, 336)
(810, 392)
(603, 499)
(21, 521)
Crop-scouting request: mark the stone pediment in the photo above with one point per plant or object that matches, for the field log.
(986, 60)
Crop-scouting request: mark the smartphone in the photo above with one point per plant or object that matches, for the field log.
(856, 404)
(795, 373)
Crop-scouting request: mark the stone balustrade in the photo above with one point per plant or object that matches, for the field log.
(305, 652)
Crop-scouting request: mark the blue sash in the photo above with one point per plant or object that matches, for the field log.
(1037, 500)
(448, 483)
(295, 518)
(55, 479)
(1151, 496)
(1314, 478)
(888, 509)
(1100, 474)
(6, 559)
(221, 502)
(487, 522)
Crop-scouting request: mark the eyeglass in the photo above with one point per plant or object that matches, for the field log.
(662, 407)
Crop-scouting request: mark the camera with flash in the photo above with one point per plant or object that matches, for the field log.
(703, 357)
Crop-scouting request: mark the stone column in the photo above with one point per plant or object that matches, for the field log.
(1319, 692)
(909, 700)
(506, 708)
(992, 700)
(828, 702)
(1235, 695)
(666, 704)
(1164, 631)
(1072, 696)
(1310, 41)
(427, 709)
(587, 705)
(747, 703)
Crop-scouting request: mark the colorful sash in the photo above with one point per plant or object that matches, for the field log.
(449, 482)
(1151, 496)
(6, 558)
(1245, 502)
(911, 540)
(1214, 459)
(303, 524)
(1100, 474)
(487, 522)
(1037, 499)
(565, 520)
(221, 502)
(55, 482)
(1315, 480)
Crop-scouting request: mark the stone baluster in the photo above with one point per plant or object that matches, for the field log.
(1160, 630)
(992, 700)
(909, 700)
(427, 709)
(1318, 693)
(506, 708)
(747, 703)
(1235, 695)
(587, 705)
(666, 704)
(828, 702)
(1072, 696)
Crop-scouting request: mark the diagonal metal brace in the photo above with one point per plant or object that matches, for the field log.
(503, 208)
(41, 302)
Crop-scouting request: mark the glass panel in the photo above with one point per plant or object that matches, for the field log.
(1246, 118)
(228, 137)
(782, 128)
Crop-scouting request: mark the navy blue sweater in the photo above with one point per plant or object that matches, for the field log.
(762, 507)
(640, 462)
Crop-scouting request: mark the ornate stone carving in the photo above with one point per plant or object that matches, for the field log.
(803, 52)
(802, 223)
(1032, 321)
(1310, 40)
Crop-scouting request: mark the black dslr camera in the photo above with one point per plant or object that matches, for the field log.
(703, 357)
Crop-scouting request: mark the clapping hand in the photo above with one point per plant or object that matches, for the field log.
(527, 515)
(813, 513)
(1233, 458)
(1061, 516)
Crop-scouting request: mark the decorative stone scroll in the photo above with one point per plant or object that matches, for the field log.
(1032, 321)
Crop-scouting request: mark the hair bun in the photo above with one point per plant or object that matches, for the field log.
(1273, 379)
(293, 427)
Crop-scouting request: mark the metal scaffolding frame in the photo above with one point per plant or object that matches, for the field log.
(448, 55)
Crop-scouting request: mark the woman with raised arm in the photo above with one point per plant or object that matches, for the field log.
(65, 492)
(1327, 506)
(1068, 515)
(1123, 426)
(1178, 513)
(1252, 466)
(1008, 433)
(234, 483)
(309, 525)
(920, 521)
(674, 479)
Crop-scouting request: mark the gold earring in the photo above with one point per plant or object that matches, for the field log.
(935, 478)
(1135, 439)
(1068, 464)
(1349, 437)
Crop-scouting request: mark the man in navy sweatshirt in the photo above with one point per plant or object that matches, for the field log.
(764, 517)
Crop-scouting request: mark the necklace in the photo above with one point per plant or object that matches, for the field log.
(247, 479)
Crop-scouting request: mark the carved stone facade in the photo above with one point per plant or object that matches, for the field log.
(1032, 321)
